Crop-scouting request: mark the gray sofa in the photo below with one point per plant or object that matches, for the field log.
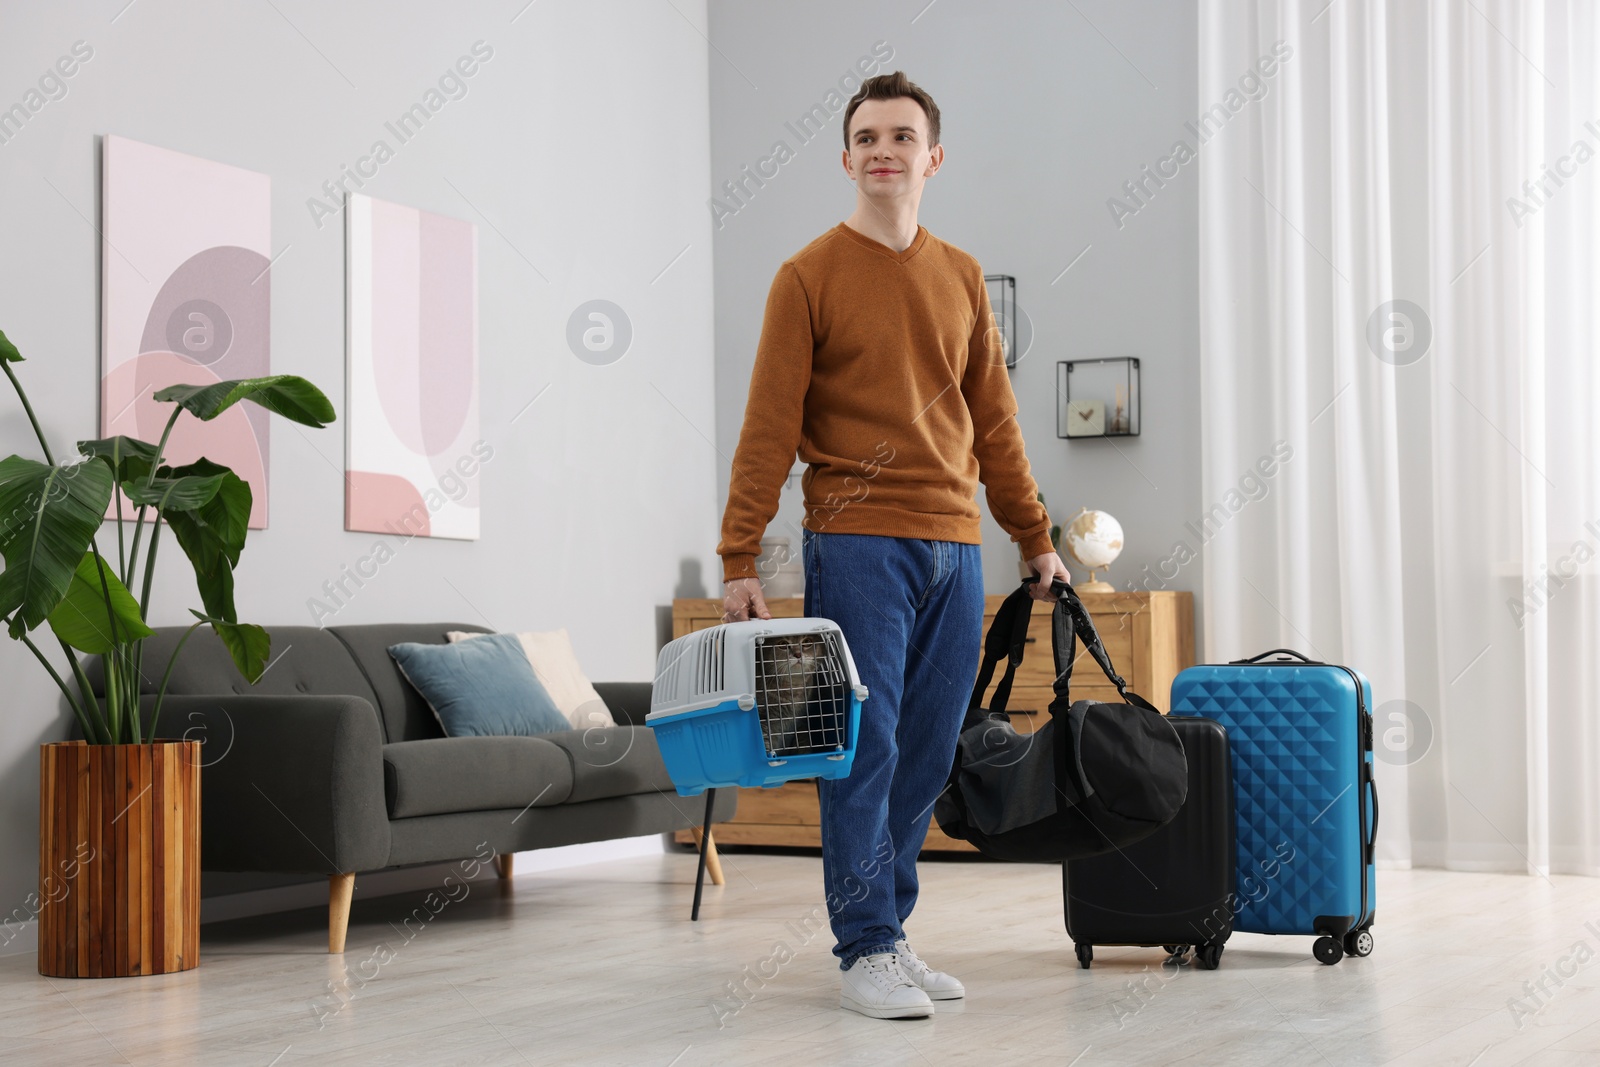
(333, 764)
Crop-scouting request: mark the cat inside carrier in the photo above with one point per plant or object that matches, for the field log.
(802, 693)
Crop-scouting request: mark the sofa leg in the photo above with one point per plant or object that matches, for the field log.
(503, 862)
(713, 863)
(340, 888)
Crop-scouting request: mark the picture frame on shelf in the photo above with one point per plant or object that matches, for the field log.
(1086, 418)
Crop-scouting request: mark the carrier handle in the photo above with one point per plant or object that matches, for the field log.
(1301, 656)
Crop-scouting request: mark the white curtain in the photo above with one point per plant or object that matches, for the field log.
(1436, 522)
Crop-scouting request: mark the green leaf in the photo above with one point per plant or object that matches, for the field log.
(48, 516)
(212, 534)
(80, 619)
(129, 458)
(289, 395)
(8, 351)
(167, 491)
(248, 644)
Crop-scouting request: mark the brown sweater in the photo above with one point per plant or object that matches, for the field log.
(882, 369)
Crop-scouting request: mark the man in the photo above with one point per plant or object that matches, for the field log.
(879, 363)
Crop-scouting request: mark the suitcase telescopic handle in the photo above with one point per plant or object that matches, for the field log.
(1301, 656)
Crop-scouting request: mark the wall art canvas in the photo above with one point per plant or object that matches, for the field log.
(411, 436)
(186, 299)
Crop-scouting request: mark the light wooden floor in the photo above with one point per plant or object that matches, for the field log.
(601, 965)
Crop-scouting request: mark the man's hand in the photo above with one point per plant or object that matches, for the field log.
(741, 600)
(1048, 567)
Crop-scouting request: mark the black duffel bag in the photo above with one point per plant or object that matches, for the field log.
(1095, 778)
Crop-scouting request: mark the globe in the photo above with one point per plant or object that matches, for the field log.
(1093, 539)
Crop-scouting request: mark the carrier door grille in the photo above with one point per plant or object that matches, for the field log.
(802, 693)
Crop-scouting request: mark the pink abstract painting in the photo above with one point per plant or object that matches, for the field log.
(186, 300)
(412, 444)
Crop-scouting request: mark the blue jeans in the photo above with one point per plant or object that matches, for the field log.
(911, 612)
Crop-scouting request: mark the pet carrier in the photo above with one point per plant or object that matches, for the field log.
(755, 703)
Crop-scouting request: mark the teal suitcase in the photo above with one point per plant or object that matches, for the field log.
(1305, 802)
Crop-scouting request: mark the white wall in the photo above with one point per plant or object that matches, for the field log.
(1047, 109)
(581, 151)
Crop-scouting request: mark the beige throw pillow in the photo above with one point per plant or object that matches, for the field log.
(555, 664)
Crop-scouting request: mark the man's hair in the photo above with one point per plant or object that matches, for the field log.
(887, 87)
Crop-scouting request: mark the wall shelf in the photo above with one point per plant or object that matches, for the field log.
(1098, 398)
(1003, 305)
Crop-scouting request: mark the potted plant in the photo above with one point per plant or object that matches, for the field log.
(119, 815)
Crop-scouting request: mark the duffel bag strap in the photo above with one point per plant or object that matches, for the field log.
(1007, 638)
(1071, 619)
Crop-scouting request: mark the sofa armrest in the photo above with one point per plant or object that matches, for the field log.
(629, 701)
(290, 783)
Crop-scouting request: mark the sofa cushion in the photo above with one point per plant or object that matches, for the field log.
(450, 774)
(480, 688)
(555, 664)
(612, 761)
(406, 716)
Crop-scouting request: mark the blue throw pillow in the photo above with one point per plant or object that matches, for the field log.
(480, 688)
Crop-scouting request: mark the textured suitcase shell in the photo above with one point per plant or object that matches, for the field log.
(1177, 886)
(1300, 742)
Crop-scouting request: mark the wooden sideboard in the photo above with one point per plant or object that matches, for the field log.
(1150, 637)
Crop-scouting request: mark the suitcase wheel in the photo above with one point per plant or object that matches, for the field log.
(1358, 943)
(1085, 955)
(1208, 955)
(1175, 950)
(1327, 950)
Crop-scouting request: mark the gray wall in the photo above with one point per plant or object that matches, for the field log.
(583, 143)
(1046, 110)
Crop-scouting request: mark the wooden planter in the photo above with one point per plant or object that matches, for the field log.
(119, 858)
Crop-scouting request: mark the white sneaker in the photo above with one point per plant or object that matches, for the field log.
(937, 984)
(876, 986)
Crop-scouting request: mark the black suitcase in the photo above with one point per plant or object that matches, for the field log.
(1175, 888)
